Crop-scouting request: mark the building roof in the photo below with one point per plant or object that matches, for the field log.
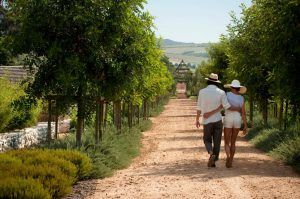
(182, 71)
(182, 67)
(14, 74)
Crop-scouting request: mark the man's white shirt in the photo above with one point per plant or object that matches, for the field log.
(209, 99)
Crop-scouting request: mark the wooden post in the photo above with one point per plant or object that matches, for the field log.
(49, 121)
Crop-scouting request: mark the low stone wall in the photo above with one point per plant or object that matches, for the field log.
(29, 136)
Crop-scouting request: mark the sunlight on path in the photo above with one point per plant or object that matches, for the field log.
(173, 165)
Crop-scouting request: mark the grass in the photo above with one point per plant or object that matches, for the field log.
(280, 144)
(115, 151)
(156, 110)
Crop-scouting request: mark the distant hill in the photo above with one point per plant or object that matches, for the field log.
(169, 42)
(189, 52)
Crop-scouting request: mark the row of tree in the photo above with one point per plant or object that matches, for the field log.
(262, 50)
(87, 51)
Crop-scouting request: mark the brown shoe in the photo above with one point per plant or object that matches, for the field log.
(211, 161)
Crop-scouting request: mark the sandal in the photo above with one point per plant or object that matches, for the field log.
(228, 164)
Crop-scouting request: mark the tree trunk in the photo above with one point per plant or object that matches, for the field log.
(49, 137)
(130, 114)
(80, 121)
(56, 125)
(145, 110)
(286, 114)
(97, 120)
(123, 110)
(101, 120)
(138, 114)
(251, 109)
(117, 114)
(265, 111)
(105, 114)
(294, 111)
(280, 116)
(276, 109)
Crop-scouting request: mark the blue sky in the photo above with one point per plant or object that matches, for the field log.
(198, 21)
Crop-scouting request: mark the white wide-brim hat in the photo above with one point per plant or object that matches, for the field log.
(236, 84)
(213, 78)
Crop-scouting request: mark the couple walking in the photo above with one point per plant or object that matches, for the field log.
(211, 100)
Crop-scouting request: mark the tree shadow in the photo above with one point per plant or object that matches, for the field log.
(172, 116)
(189, 131)
(197, 169)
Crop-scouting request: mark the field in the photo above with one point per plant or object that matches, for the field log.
(189, 52)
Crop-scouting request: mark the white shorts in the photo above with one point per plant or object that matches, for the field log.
(232, 120)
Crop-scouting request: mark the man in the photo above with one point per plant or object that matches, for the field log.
(210, 101)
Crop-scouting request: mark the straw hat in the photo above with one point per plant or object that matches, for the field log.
(236, 84)
(213, 78)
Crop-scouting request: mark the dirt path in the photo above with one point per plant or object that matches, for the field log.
(173, 165)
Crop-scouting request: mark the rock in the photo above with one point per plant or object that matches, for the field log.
(29, 136)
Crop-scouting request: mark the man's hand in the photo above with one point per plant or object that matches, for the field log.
(207, 115)
(197, 124)
(234, 108)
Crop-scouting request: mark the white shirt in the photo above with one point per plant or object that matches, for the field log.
(209, 99)
(234, 100)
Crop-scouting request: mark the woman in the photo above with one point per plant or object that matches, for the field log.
(233, 119)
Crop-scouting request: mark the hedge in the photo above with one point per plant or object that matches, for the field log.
(41, 173)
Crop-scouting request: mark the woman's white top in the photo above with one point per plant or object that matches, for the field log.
(234, 100)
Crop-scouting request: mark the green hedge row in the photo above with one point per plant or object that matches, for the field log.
(41, 173)
(281, 144)
(115, 151)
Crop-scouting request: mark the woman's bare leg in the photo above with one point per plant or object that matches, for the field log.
(234, 135)
(227, 138)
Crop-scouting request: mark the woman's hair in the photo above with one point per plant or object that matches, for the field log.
(212, 83)
(237, 89)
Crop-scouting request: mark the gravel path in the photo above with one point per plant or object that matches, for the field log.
(173, 161)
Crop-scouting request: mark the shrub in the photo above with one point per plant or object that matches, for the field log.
(268, 139)
(80, 160)
(145, 125)
(289, 152)
(53, 180)
(281, 144)
(55, 170)
(99, 169)
(15, 188)
(6, 159)
(16, 111)
(45, 158)
(254, 131)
